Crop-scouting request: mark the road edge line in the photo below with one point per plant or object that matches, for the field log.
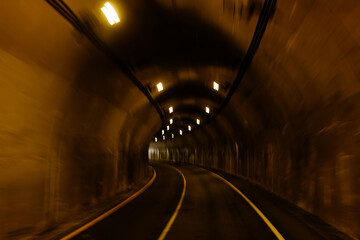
(173, 217)
(111, 211)
(262, 216)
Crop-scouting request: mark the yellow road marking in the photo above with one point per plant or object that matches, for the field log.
(172, 219)
(267, 222)
(111, 211)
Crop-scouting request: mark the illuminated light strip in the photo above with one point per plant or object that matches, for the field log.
(207, 109)
(216, 86)
(267, 222)
(107, 15)
(172, 219)
(159, 87)
(111, 211)
(110, 13)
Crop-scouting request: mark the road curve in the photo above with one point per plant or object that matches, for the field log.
(146, 216)
(213, 210)
(210, 209)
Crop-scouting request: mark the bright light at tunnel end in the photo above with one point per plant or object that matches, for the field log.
(156, 139)
(110, 13)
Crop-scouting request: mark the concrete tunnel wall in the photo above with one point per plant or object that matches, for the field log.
(74, 131)
(293, 124)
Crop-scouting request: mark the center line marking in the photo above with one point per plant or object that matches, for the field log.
(268, 223)
(172, 219)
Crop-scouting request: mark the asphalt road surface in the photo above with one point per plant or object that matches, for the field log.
(211, 209)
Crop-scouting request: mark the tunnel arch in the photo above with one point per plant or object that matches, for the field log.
(77, 121)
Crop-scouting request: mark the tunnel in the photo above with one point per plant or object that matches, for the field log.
(176, 119)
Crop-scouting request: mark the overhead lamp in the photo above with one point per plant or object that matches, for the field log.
(198, 121)
(171, 109)
(159, 87)
(180, 131)
(216, 86)
(110, 13)
(156, 139)
(172, 135)
(162, 132)
(168, 127)
(189, 128)
(171, 121)
(163, 137)
(207, 110)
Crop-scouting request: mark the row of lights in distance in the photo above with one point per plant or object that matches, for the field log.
(160, 86)
(171, 109)
(113, 18)
(180, 131)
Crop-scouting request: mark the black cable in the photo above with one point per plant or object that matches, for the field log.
(63, 9)
(267, 11)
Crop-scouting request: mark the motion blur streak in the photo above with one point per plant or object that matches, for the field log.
(83, 116)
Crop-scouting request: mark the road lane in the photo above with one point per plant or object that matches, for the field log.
(291, 221)
(213, 210)
(146, 216)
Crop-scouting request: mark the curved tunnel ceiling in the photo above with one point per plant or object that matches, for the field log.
(188, 53)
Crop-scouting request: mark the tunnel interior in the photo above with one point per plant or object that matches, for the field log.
(261, 89)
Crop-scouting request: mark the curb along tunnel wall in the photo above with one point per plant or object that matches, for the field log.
(293, 124)
(74, 131)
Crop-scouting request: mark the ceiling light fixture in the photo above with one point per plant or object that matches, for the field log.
(110, 13)
(159, 87)
(171, 109)
(216, 86)
(189, 128)
(198, 121)
(207, 110)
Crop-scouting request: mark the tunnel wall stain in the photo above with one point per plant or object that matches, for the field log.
(293, 124)
(74, 130)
